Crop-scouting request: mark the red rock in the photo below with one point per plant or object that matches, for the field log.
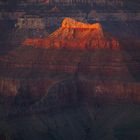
(76, 35)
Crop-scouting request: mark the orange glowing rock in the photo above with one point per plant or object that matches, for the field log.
(76, 35)
(71, 23)
(33, 42)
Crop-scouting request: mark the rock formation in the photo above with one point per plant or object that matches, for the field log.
(76, 35)
(76, 50)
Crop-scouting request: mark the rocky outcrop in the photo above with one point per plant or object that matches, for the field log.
(76, 35)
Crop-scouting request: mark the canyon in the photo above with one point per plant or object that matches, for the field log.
(77, 81)
(76, 49)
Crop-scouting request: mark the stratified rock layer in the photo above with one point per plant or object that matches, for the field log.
(68, 55)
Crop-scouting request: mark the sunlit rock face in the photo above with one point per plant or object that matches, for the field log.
(76, 35)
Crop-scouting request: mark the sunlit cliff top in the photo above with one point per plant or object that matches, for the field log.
(71, 23)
